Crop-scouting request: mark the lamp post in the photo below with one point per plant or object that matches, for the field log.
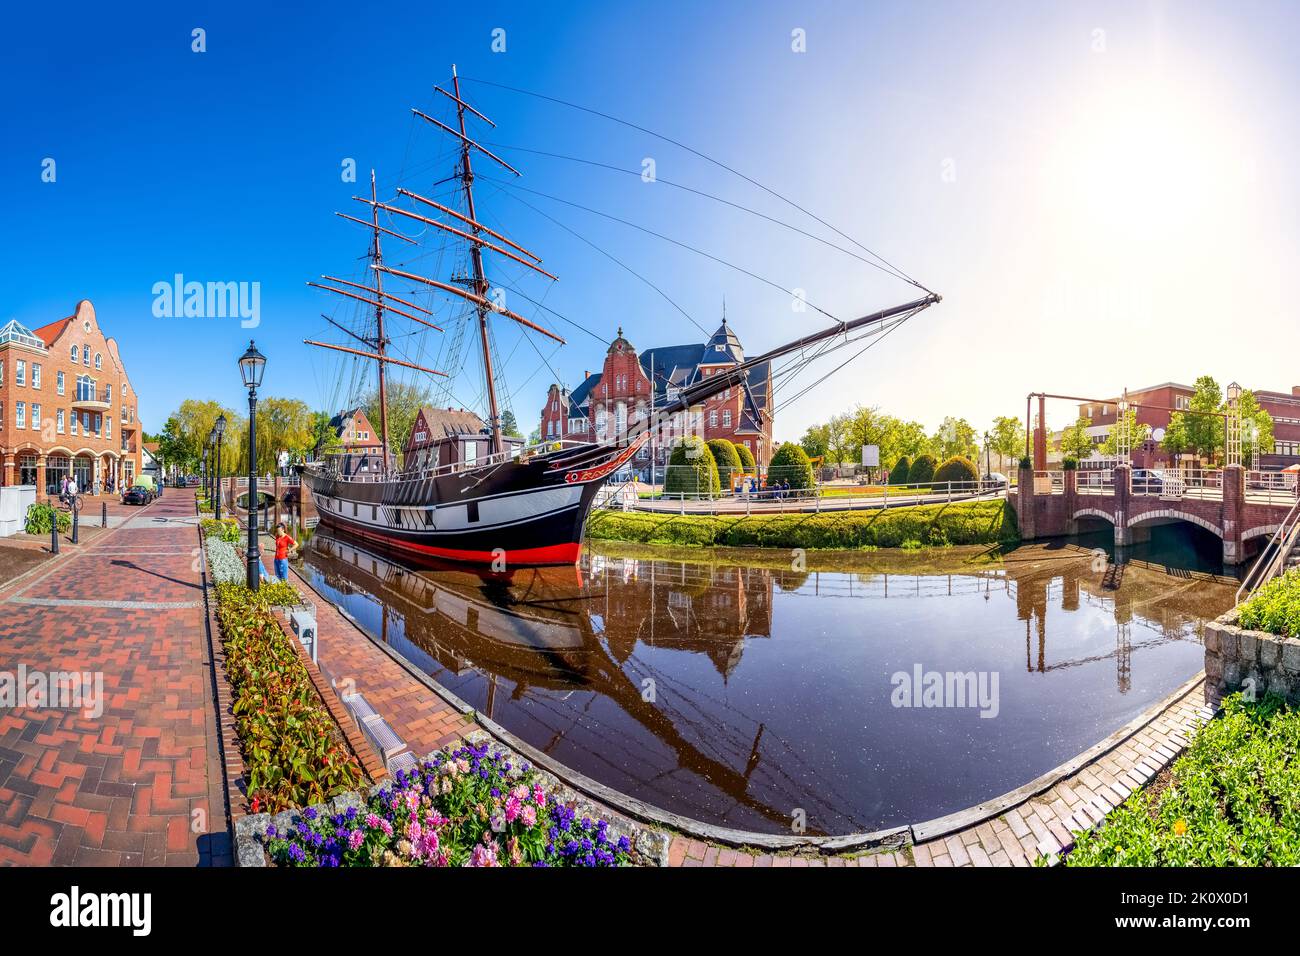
(251, 365)
(207, 475)
(220, 429)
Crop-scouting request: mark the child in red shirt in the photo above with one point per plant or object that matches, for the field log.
(282, 545)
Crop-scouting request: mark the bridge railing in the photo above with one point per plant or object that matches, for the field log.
(1095, 481)
(1271, 487)
(1049, 482)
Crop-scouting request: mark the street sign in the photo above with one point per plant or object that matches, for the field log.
(871, 456)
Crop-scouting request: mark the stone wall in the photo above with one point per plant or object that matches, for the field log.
(1237, 659)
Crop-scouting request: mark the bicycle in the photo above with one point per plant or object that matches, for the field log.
(73, 502)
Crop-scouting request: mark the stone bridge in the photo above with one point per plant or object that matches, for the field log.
(1051, 504)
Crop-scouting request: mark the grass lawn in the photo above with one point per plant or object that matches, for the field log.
(913, 526)
(1232, 799)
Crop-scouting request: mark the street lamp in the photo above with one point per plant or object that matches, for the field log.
(251, 365)
(220, 429)
(211, 452)
(206, 474)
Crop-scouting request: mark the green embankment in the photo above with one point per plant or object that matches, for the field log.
(963, 522)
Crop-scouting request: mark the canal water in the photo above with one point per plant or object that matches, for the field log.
(864, 691)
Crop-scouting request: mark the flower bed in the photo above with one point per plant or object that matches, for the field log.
(227, 529)
(294, 753)
(224, 561)
(1233, 799)
(472, 805)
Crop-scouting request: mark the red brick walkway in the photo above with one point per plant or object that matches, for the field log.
(139, 783)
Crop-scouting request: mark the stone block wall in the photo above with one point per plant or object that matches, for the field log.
(1237, 659)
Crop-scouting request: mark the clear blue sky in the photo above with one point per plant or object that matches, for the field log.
(1133, 184)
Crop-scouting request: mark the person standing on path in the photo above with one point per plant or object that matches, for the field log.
(282, 545)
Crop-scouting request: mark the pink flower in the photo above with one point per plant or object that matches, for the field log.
(512, 808)
(483, 856)
(355, 839)
(372, 821)
(462, 765)
(529, 815)
(539, 796)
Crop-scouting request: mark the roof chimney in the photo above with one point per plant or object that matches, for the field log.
(1295, 390)
(585, 375)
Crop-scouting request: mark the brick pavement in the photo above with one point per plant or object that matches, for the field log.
(141, 783)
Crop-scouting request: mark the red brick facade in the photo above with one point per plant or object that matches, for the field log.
(66, 406)
(606, 403)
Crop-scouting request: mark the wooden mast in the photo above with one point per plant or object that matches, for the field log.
(476, 255)
(380, 341)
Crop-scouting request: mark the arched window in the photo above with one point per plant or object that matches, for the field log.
(85, 355)
(99, 360)
(76, 355)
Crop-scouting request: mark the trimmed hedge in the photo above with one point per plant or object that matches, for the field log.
(746, 457)
(963, 522)
(922, 470)
(691, 469)
(898, 475)
(790, 463)
(956, 470)
(728, 462)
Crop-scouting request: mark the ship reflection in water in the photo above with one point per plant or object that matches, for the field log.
(742, 695)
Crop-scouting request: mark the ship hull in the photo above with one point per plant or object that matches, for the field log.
(514, 513)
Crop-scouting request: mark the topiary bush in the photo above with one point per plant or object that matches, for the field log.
(691, 469)
(957, 474)
(790, 463)
(746, 457)
(922, 470)
(1070, 464)
(728, 462)
(898, 475)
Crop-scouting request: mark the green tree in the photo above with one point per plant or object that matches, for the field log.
(404, 401)
(1256, 427)
(728, 462)
(814, 440)
(790, 463)
(840, 440)
(324, 439)
(508, 425)
(955, 436)
(692, 470)
(1199, 430)
(194, 420)
(1137, 434)
(1007, 438)
(1075, 442)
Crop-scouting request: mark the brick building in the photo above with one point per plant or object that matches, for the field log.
(619, 395)
(1282, 407)
(66, 405)
(355, 434)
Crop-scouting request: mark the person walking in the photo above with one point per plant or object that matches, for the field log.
(282, 545)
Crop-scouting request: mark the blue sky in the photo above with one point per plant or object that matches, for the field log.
(1103, 192)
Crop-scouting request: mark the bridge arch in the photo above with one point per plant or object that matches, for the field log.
(1260, 531)
(1094, 513)
(1170, 514)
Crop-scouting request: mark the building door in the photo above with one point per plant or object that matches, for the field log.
(26, 469)
(83, 469)
(56, 467)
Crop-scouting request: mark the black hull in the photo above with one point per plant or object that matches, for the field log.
(507, 514)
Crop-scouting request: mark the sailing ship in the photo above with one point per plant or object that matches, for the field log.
(515, 506)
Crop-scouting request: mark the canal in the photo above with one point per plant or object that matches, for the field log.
(863, 691)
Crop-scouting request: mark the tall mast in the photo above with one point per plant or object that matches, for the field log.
(380, 340)
(476, 254)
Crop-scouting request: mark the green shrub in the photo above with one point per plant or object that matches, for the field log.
(728, 462)
(227, 529)
(1233, 799)
(293, 751)
(1275, 607)
(1070, 463)
(957, 470)
(922, 470)
(691, 469)
(898, 475)
(746, 457)
(959, 523)
(790, 463)
(1026, 462)
(41, 517)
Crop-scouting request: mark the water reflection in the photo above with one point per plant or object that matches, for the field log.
(742, 694)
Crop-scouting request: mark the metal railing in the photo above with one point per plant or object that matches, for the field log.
(1095, 481)
(1049, 482)
(1282, 543)
(1271, 487)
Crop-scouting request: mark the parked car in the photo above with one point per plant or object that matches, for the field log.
(1147, 482)
(137, 495)
(996, 481)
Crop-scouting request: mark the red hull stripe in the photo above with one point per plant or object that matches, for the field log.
(550, 554)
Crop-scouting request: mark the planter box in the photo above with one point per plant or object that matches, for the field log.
(1238, 659)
